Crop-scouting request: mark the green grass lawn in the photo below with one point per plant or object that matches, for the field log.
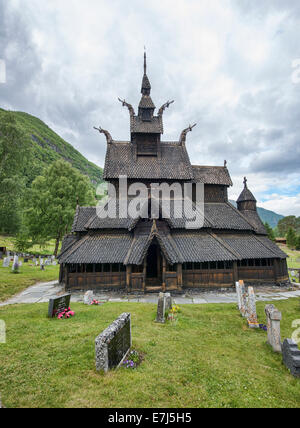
(294, 257)
(11, 284)
(9, 242)
(209, 359)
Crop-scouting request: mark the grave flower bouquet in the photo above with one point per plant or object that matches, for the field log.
(173, 313)
(95, 302)
(132, 361)
(65, 314)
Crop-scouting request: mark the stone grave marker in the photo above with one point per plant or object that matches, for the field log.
(273, 325)
(88, 297)
(15, 265)
(113, 344)
(251, 309)
(169, 302)
(291, 356)
(6, 262)
(243, 294)
(58, 304)
(161, 309)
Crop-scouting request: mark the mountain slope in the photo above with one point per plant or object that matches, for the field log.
(47, 147)
(266, 215)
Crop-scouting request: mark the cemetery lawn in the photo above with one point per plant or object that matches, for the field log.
(9, 242)
(11, 284)
(293, 260)
(209, 359)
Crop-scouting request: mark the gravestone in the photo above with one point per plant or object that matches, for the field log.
(15, 265)
(6, 262)
(113, 344)
(88, 297)
(169, 302)
(291, 357)
(58, 304)
(243, 293)
(238, 295)
(273, 325)
(251, 309)
(54, 263)
(161, 309)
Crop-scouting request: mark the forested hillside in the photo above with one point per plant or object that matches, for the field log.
(48, 147)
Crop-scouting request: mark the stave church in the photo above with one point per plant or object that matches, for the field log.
(159, 253)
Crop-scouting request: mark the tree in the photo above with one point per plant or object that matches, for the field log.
(270, 231)
(52, 201)
(298, 243)
(291, 238)
(15, 151)
(288, 222)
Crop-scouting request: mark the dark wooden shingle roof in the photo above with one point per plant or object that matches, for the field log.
(173, 163)
(212, 175)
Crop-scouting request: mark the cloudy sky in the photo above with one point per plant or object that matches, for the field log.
(232, 66)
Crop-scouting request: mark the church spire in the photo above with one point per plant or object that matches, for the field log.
(146, 106)
(146, 86)
(246, 200)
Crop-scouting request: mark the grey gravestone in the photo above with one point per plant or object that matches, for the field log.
(238, 294)
(161, 308)
(251, 309)
(15, 265)
(58, 304)
(6, 262)
(169, 302)
(291, 357)
(88, 297)
(273, 325)
(113, 344)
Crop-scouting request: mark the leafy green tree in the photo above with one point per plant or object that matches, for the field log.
(291, 238)
(270, 231)
(52, 201)
(289, 222)
(14, 156)
(298, 243)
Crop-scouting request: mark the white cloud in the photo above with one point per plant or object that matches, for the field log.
(228, 65)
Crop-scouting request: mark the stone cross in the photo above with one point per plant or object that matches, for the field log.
(273, 324)
(251, 309)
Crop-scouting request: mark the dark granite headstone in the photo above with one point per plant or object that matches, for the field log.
(113, 344)
(291, 357)
(58, 304)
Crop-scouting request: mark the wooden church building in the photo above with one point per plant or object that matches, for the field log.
(161, 254)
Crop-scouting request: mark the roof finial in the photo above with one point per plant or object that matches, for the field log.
(183, 135)
(106, 133)
(245, 181)
(145, 61)
(225, 163)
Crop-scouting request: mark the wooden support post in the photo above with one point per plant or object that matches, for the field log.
(164, 274)
(144, 274)
(179, 276)
(235, 273)
(276, 270)
(128, 277)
